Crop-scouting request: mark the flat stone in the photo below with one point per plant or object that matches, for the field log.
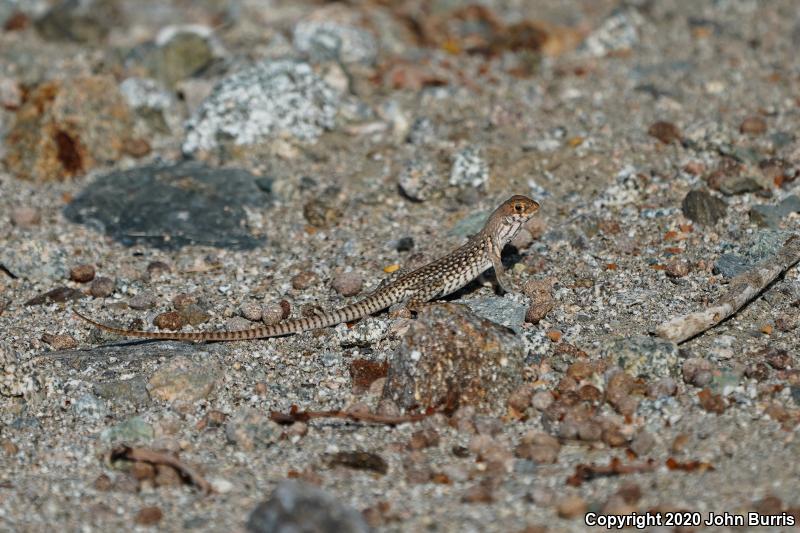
(766, 215)
(132, 390)
(130, 431)
(764, 244)
(644, 356)
(299, 507)
(250, 429)
(701, 207)
(183, 380)
(450, 357)
(507, 310)
(138, 206)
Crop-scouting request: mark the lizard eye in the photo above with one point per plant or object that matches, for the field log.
(519, 208)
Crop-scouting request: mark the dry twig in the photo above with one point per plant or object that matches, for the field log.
(742, 289)
(146, 455)
(304, 416)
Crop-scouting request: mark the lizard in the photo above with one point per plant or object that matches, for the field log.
(433, 280)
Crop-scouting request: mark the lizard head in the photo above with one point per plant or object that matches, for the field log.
(507, 219)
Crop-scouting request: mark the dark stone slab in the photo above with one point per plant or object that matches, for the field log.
(170, 206)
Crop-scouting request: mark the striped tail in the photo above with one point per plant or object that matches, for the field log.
(371, 304)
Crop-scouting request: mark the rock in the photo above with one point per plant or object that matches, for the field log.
(618, 32)
(57, 295)
(571, 506)
(60, 342)
(133, 390)
(348, 283)
(25, 217)
(469, 168)
(753, 125)
(772, 215)
(698, 372)
(642, 356)
(102, 287)
(82, 273)
(274, 98)
(764, 244)
(643, 443)
(80, 21)
(359, 460)
(300, 507)
(181, 52)
(304, 280)
(666, 132)
(138, 206)
(542, 302)
(418, 179)
(251, 311)
(740, 185)
(507, 310)
(151, 103)
(172, 320)
(538, 447)
(142, 301)
(183, 380)
(131, 431)
(699, 206)
(66, 128)
(194, 315)
(89, 407)
(335, 33)
(450, 357)
(250, 429)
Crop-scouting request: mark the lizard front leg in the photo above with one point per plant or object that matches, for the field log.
(499, 270)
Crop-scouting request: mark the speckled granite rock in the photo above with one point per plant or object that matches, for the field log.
(273, 98)
(295, 506)
(450, 357)
(644, 356)
(138, 205)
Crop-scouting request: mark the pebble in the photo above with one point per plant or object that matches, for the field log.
(677, 268)
(469, 168)
(251, 311)
(60, 342)
(149, 516)
(333, 33)
(418, 179)
(298, 506)
(538, 447)
(542, 302)
(304, 280)
(701, 207)
(348, 283)
(250, 428)
(753, 125)
(25, 217)
(142, 301)
(666, 132)
(89, 407)
(172, 320)
(273, 313)
(542, 400)
(158, 268)
(697, 371)
(130, 431)
(571, 506)
(642, 443)
(641, 355)
(82, 273)
(181, 301)
(181, 380)
(102, 287)
(772, 215)
(194, 315)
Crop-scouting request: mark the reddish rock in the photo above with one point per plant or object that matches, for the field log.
(82, 273)
(66, 128)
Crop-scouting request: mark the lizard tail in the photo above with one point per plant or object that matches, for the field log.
(346, 314)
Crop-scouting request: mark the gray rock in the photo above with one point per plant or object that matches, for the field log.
(81, 21)
(325, 39)
(151, 102)
(142, 301)
(469, 168)
(132, 390)
(701, 207)
(771, 215)
(418, 179)
(89, 407)
(506, 311)
(296, 507)
(139, 206)
(182, 380)
(619, 31)
(180, 52)
(764, 244)
(273, 98)
(640, 355)
(16, 377)
(740, 185)
(250, 429)
(33, 260)
(130, 431)
(450, 357)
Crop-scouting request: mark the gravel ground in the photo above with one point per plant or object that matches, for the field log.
(216, 165)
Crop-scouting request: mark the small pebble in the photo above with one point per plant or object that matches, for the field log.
(60, 342)
(643, 443)
(348, 283)
(304, 280)
(251, 311)
(142, 301)
(271, 314)
(571, 506)
(102, 287)
(404, 244)
(666, 132)
(677, 268)
(753, 125)
(697, 371)
(25, 217)
(149, 516)
(156, 268)
(541, 400)
(171, 320)
(194, 315)
(82, 273)
(182, 301)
